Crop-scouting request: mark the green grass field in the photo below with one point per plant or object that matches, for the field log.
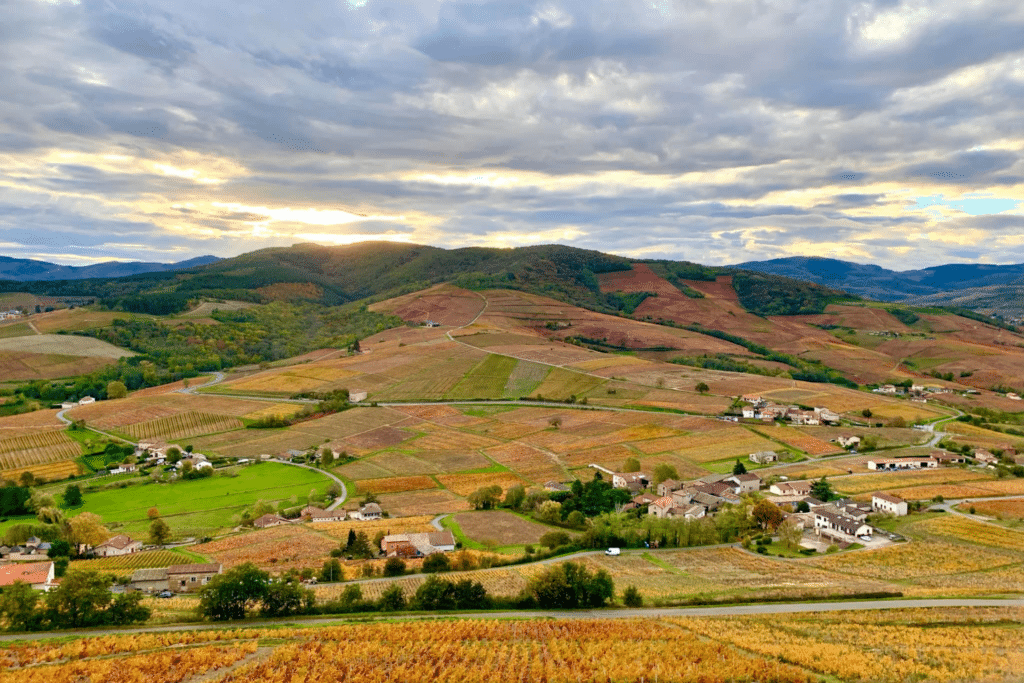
(202, 506)
(486, 380)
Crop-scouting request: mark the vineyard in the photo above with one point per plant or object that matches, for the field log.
(183, 426)
(944, 645)
(129, 563)
(887, 647)
(483, 650)
(41, 448)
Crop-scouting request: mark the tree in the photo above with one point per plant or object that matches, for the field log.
(739, 467)
(79, 600)
(665, 471)
(822, 490)
(231, 594)
(631, 597)
(515, 496)
(126, 608)
(40, 500)
(436, 562)
(576, 519)
(50, 515)
(395, 566)
(767, 514)
(571, 585)
(87, 530)
(153, 513)
(553, 539)
(702, 388)
(331, 572)
(631, 465)
(550, 511)
(866, 412)
(485, 498)
(351, 539)
(72, 496)
(360, 547)
(351, 596)
(285, 597)
(173, 455)
(326, 457)
(392, 600)
(18, 607)
(59, 548)
(116, 389)
(898, 421)
(790, 534)
(27, 479)
(159, 532)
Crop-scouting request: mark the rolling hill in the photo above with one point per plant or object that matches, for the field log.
(30, 269)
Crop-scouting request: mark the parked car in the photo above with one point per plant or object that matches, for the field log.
(165, 594)
(613, 551)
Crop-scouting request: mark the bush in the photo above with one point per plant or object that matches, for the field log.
(437, 562)
(394, 567)
(631, 597)
(392, 600)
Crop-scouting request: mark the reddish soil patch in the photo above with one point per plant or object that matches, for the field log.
(450, 306)
(378, 438)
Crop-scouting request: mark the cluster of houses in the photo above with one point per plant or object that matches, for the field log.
(766, 411)
(39, 575)
(311, 513)
(31, 550)
(914, 391)
(10, 315)
(695, 499)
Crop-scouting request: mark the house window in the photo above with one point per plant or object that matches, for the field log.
(192, 579)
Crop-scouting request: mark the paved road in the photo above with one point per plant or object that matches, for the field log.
(218, 377)
(639, 613)
(436, 522)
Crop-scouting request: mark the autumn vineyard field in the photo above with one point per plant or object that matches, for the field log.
(941, 645)
(183, 426)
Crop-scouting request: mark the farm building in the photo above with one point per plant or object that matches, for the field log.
(39, 575)
(314, 514)
(186, 578)
(744, 483)
(268, 520)
(666, 487)
(791, 488)
(893, 464)
(149, 580)
(417, 545)
(764, 457)
(849, 441)
(357, 396)
(368, 512)
(116, 546)
(828, 518)
(889, 504)
(630, 480)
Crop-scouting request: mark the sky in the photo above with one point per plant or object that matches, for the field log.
(715, 131)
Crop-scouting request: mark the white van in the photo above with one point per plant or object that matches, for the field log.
(613, 551)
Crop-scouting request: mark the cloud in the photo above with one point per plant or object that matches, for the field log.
(715, 132)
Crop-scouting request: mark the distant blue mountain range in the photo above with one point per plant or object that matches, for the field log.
(881, 284)
(22, 269)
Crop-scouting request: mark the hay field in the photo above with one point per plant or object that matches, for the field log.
(486, 380)
(465, 484)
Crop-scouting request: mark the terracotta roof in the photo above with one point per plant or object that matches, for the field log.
(441, 538)
(212, 568)
(666, 502)
(121, 541)
(31, 573)
(370, 507)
